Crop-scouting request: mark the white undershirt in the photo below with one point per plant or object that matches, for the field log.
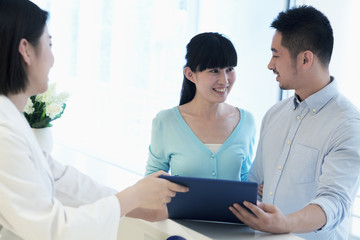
(213, 147)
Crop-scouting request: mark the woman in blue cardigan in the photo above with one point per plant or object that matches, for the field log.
(204, 136)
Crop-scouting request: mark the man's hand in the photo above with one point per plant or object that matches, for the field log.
(260, 190)
(269, 218)
(265, 217)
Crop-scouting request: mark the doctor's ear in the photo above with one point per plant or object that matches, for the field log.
(189, 74)
(24, 48)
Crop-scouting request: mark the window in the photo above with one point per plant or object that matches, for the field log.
(122, 61)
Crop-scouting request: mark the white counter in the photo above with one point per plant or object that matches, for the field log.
(135, 229)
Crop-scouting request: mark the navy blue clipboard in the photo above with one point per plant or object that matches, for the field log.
(209, 199)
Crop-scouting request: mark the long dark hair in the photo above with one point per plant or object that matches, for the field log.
(206, 50)
(18, 19)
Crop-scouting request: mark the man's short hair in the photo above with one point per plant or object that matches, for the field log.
(305, 28)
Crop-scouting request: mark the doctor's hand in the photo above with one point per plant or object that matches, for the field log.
(151, 215)
(153, 192)
(265, 217)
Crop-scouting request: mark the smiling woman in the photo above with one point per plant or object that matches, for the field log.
(204, 136)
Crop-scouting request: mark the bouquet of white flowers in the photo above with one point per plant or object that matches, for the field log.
(43, 108)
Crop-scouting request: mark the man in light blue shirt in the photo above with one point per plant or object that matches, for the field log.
(308, 157)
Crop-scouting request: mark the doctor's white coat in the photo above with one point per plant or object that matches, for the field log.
(40, 199)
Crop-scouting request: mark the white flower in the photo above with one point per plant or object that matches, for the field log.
(29, 107)
(48, 96)
(42, 109)
(53, 109)
(62, 97)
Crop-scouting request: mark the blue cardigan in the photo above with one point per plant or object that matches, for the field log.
(175, 147)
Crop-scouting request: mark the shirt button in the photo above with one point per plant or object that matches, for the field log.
(271, 193)
(213, 173)
(288, 142)
(314, 110)
(298, 117)
(212, 155)
(279, 167)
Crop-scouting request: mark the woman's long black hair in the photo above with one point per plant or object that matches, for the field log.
(204, 51)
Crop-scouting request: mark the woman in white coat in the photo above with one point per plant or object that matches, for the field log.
(41, 199)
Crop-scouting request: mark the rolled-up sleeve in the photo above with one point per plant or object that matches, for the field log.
(339, 180)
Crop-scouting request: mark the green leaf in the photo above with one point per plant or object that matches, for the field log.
(42, 123)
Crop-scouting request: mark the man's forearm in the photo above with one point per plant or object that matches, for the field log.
(308, 219)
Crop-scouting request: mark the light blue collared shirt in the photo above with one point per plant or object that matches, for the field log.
(309, 153)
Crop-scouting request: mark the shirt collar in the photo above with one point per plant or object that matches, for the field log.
(319, 99)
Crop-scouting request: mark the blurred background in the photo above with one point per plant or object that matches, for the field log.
(122, 62)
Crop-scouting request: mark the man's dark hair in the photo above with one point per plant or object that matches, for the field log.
(305, 28)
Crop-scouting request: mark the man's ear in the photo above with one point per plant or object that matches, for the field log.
(189, 74)
(24, 51)
(307, 59)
